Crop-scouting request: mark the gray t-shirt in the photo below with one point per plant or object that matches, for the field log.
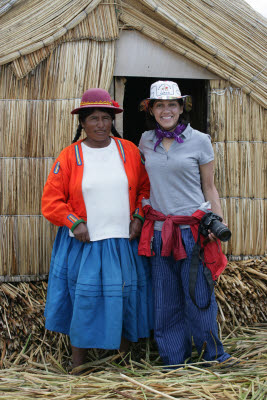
(174, 175)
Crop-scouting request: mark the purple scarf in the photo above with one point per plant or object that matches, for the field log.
(174, 134)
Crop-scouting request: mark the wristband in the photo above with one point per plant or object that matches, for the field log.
(139, 217)
(76, 223)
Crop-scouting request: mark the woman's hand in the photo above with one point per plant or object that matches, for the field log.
(211, 236)
(81, 233)
(135, 228)
(210, 192)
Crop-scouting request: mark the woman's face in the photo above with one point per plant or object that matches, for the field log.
(167, 113)
(97, 127)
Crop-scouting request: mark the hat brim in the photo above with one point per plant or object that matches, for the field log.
(144, 103)
(116, 110)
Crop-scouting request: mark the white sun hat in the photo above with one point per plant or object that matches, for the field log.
(162, 90)
(165, 90)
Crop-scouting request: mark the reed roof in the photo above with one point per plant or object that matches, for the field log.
(96, 20)
(30, 25)
(228, 38)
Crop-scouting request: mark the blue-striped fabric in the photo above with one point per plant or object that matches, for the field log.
(177, 319)
(98, 292)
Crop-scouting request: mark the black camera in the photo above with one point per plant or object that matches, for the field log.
(213, 222)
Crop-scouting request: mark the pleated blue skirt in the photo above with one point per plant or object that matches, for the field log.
(98, 292)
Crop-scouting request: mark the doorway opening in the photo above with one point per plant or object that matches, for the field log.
(137, 89)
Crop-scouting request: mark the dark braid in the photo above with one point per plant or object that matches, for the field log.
(78, 133)
(115, 132)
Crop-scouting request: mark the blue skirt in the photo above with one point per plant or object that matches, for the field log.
(98, 292)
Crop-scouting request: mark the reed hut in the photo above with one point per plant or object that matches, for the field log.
(52, 51)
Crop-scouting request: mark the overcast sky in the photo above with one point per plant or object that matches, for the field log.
(259, 5)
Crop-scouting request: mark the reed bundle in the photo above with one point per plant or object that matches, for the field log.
(234, 116)
(25, 247)
(240, 166)
(241, 293)
(247, 220)
(90, 64)
(20, 178)
(43, 130)
(37, 24)
(6, 5)
(110, 378)
(209, 36)
(100, 25)
(213, 28)
(241, 169)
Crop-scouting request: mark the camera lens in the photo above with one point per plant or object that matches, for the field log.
(225, 234)
(221, 231)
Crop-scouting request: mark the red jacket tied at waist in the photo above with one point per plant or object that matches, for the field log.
(172, 243)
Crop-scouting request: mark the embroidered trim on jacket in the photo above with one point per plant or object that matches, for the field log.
(56, 169)
(77, 154)
(72, 218)
(122, 150)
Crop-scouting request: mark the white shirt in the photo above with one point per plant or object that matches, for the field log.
(105, 193)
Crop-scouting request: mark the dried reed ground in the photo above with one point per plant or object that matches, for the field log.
(112, 378)
(36, 363)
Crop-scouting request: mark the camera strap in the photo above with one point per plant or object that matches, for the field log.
(198, 254)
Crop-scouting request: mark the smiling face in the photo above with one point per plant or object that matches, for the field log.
(97, 127)
(166, 113)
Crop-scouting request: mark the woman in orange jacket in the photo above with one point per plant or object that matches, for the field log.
(99, 288)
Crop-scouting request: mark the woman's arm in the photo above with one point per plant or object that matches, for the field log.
(55, 205)
(208, 187)
(142, 191)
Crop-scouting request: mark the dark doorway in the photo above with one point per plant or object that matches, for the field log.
(137, 89)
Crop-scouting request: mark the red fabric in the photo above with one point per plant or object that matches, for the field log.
(62, 194)
(171, 236)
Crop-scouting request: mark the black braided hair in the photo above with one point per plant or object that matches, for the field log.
(78, 133)
(115, 132)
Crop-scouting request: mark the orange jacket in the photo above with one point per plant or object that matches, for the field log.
(62, 200)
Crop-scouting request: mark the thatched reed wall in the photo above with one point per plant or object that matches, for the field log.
(238, 130)
(36, 125)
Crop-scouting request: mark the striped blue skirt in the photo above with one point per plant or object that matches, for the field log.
(98, 292)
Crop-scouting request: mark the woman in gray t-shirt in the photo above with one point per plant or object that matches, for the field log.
(179, 162)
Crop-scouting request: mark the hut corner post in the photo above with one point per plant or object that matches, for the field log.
(119, 88)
